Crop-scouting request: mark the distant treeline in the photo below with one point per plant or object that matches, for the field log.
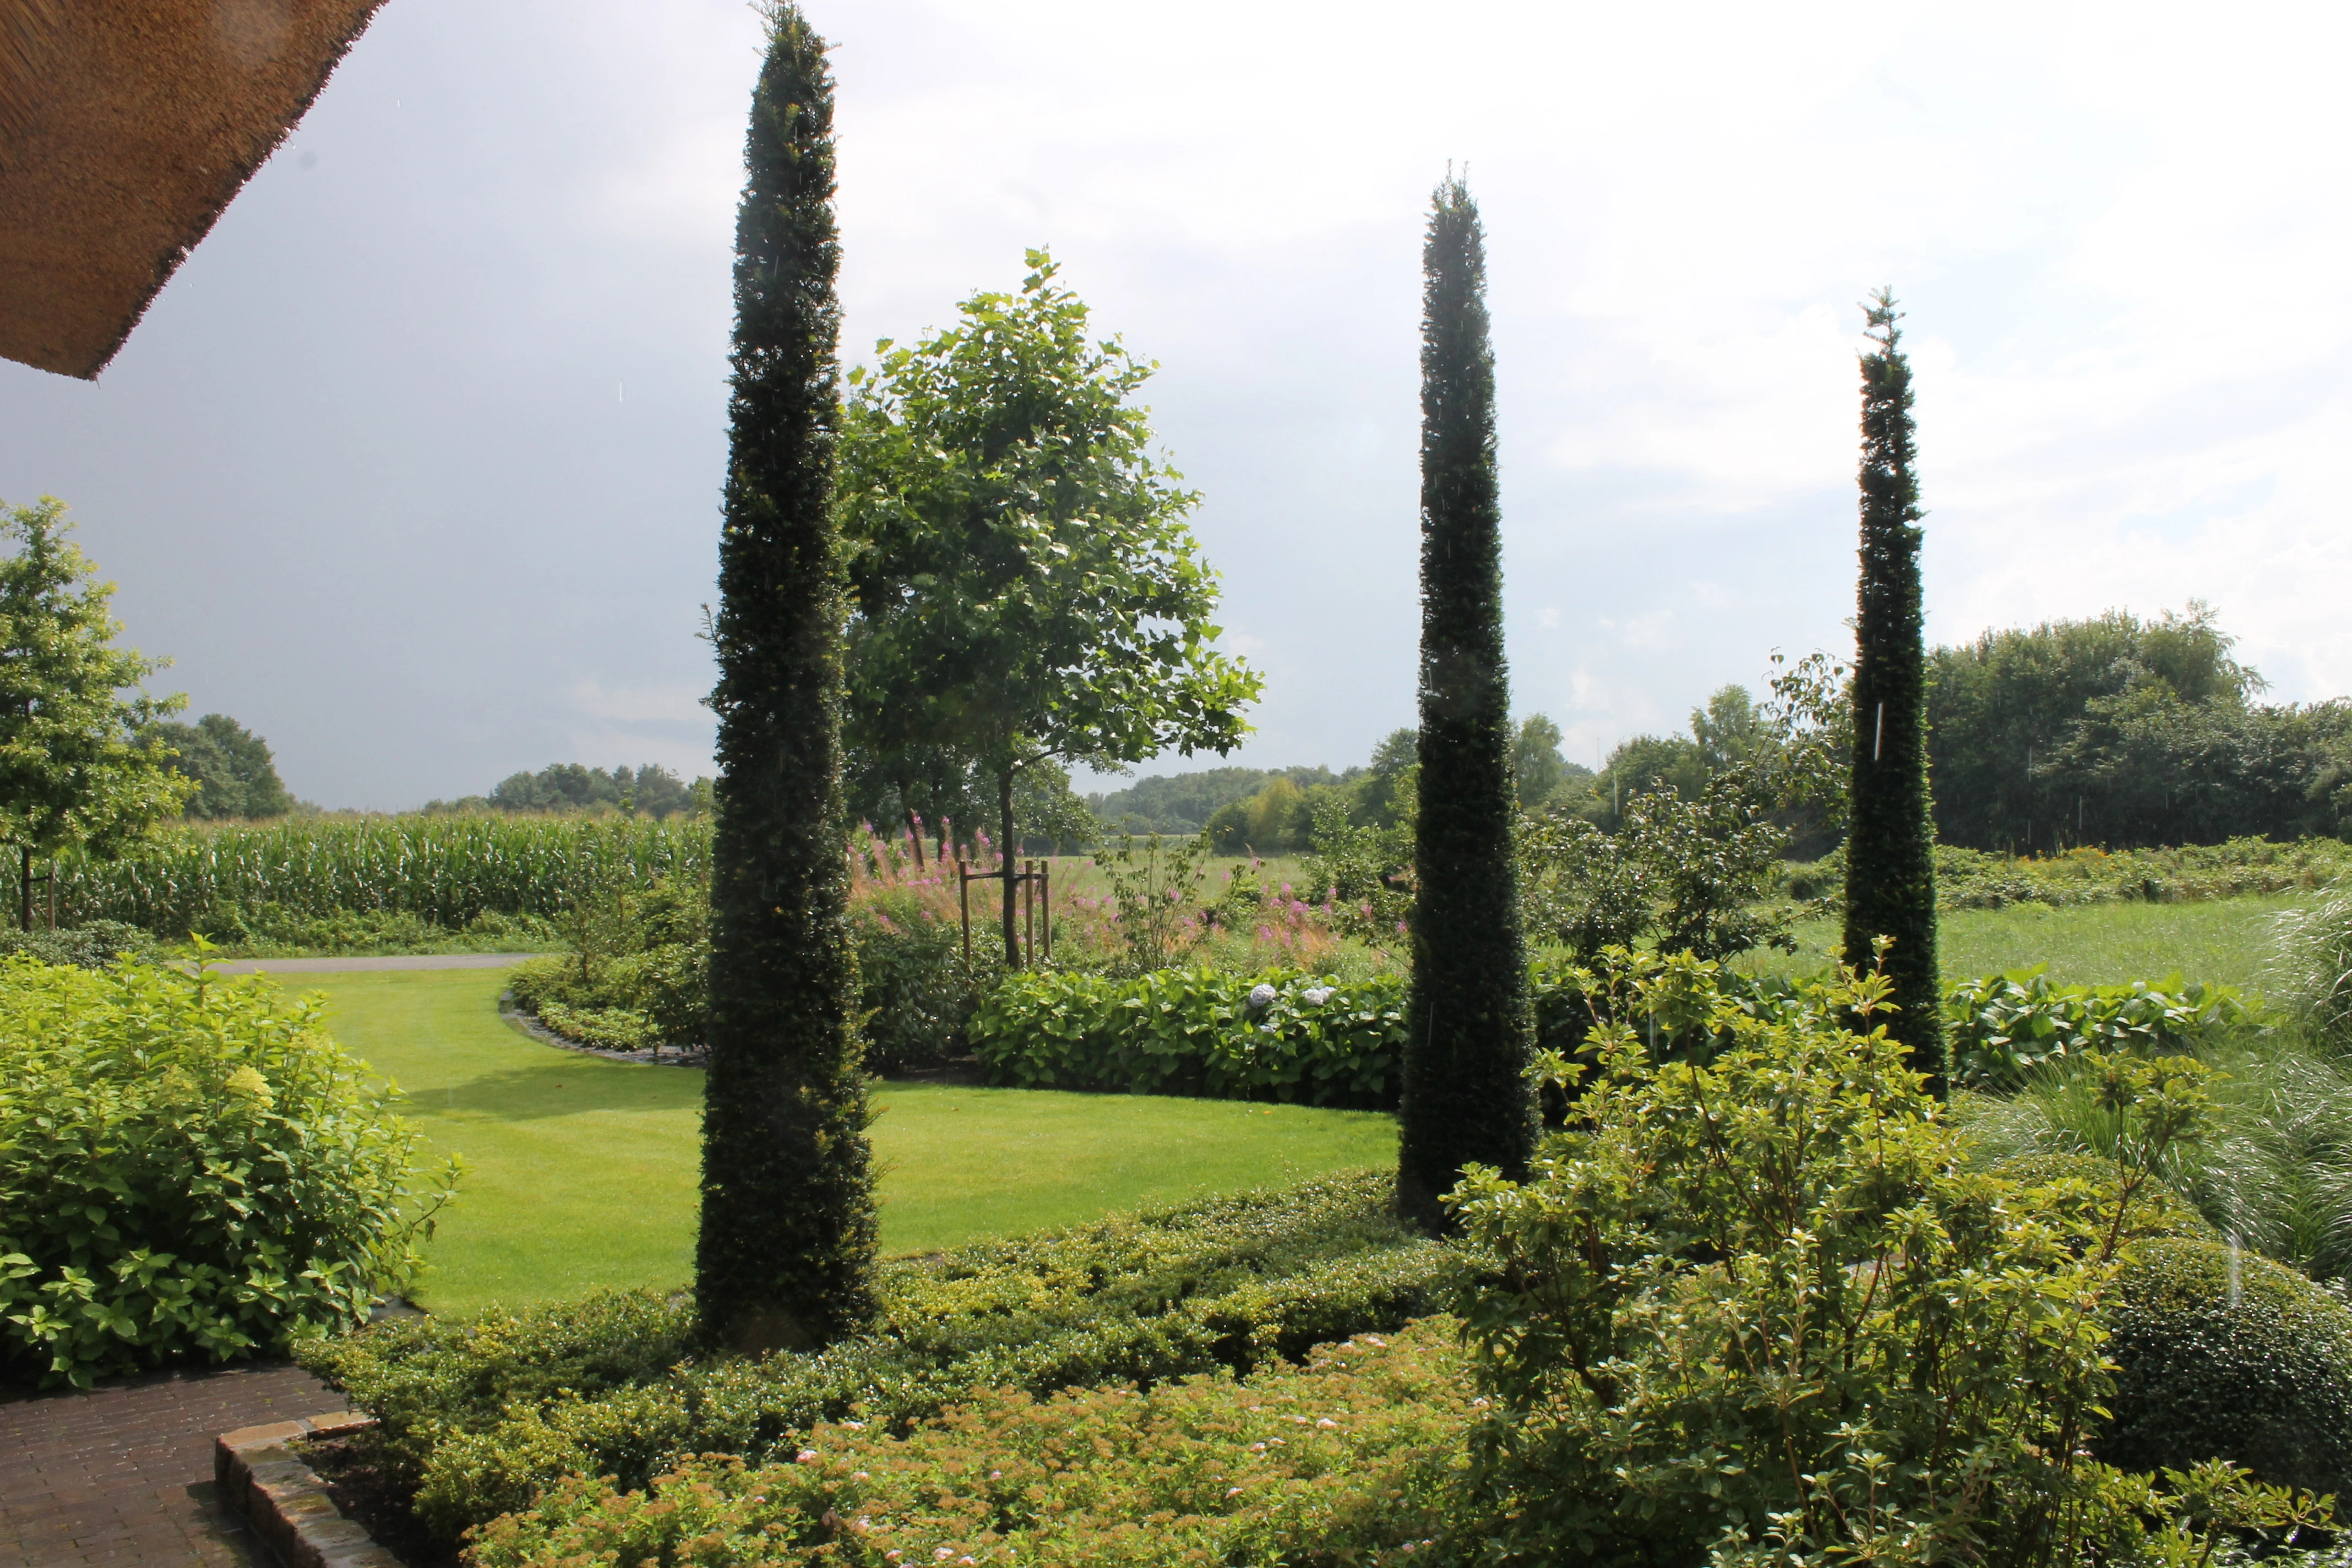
(648, 791)
(235, 775)
(2113, 731)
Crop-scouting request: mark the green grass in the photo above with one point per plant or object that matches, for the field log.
(582, 1173)
(2226, 940)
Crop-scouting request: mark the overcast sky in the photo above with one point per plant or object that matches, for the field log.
(414, 465)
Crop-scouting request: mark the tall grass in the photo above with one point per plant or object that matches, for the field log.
(447, 870)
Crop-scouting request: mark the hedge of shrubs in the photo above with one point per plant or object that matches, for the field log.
(1344, 1459)
(190, 1171)
(482, 1416)
(1281, 1035)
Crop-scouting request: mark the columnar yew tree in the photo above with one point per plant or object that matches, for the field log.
(785, 1255)
(1465, 1096)
(1890, 867)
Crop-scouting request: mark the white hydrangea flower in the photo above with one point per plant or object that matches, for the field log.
(1262, 995)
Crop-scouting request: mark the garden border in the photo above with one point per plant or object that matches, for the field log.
(283, 1500)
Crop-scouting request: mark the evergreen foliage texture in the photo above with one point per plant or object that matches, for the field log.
(1465, 1096)
(1890, 882)
(785, 1254)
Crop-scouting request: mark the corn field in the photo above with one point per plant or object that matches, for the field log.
(444, 869)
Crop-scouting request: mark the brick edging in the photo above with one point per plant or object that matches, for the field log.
(283, 1500)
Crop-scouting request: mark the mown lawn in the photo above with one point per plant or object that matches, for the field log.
(581, 1172)
(2226, 940)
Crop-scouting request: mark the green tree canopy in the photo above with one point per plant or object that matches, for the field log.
(234, 773)
(1025, 585)
(2001, 708)
(75, 772)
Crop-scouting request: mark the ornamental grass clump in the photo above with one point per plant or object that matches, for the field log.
(190, 1172)
(1756, 1308)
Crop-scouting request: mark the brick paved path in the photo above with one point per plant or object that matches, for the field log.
(124, 1473)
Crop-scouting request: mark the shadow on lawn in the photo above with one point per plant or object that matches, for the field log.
(562, 1089)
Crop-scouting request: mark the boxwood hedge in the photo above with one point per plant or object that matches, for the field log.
(482, 1416)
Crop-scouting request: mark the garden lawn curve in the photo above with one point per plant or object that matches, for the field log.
(582, 1173)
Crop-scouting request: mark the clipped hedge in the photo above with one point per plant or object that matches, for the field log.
(2228, 1355)
(1341, 1460)
(189, 1170)
(483, 1417)
(1281, 1036)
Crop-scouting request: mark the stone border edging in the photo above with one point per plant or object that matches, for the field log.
(283, 1500)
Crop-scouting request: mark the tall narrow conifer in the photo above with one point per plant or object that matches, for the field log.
(1890, 868)
(785, 1254)
(1466, 1095)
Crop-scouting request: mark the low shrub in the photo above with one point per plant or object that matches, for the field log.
(1341, 1460)
(915, 990)
(2226, 1354)
(190, 1170)
(1279, 1035)
(1751, 1309)
(2005, 1027)
(482, 1419)
(94, 945)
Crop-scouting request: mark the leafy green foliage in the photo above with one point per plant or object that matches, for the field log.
(74, 771)
(485, 1415)
(2224, 1354)
(1023, 583)
(231, 765)
(93, 946)
(1154, 888)
(784, 1255)
(2104, 692)
(190, 1170)
(1890, 871)
(1465, 1097)
(1749, 1310)
(1693, 871)
(1339, 1460)
(1365, 875)
(1282, 1035)
(648, 791)
(2006, 1026)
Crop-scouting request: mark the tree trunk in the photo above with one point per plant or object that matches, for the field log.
(1004, 859)
(24, 895)
(915, 835)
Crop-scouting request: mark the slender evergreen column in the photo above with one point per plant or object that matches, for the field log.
(1466, 1095)
(1890, 867)
(784, 1259)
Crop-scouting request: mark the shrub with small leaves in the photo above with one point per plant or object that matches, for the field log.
(190, 1171)
(1753, 1310)
(1339, 1461)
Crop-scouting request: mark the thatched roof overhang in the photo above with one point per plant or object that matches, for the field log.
(126, 126)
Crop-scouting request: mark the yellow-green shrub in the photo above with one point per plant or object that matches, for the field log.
(1342, 1460)
(189, 1170)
